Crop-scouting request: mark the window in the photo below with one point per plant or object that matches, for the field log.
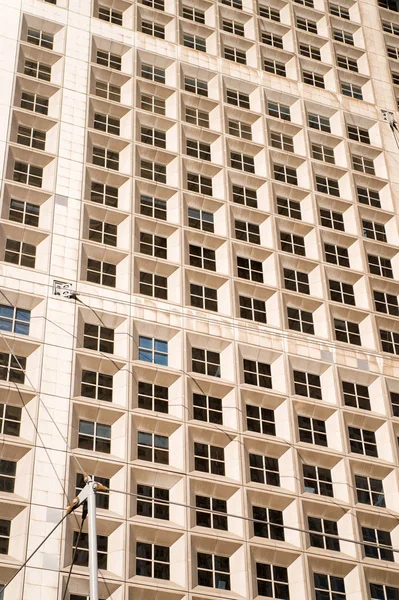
(378, 265)
(247, 232)
(153, 397)
(390, 27)
(102, 496)
(306, 25)
(339, 11)
(321, 532)
(309, 51)
(272, 39)
(110, 15)
(307, 384)
(152, 447)
(153, 104)
(34, 103)
(31, 137)
(237, 98)
(96, 385)
(268, 523)
(389, 4)
(395, 78)
(205, 362)
(323, 153)
(280, 111)
(157, 4)
(269, 13)
(233, 27)
(104, 194)
(153, 73)
(260, 420)
(153, 207)
(331, 219)
(14, 320)
(203, 258)
(153, 245)
(205, 514)
(272, 581)
(252, 309)
(358, 134)
(37, 70)
(107, 123)
(257, 373)
(12, 368)
(152, 136)
(362, 164)
(103, 157)
(153, 351)
(94, 436)
(153, 171)
(213, 571)
(383, 592)
(273, 66)
(208, 409)
(329, 587)
(380, 539)
(319, 122)
(356, 395)
(285, 174)
(309, 3)
(317, 480)
(389, 341)
(102, 273)
(200, 219)
(107, 59)
(393, 52)
(194, 41)
(295, 244)
(197, 117)
(342, 292)
(233, 3)
(102, 232)
(27, 173)
(198, 149)
(245, 196)
(203, 297)
(152, 502)
(369, 491)
(40, 38)
(347, 331)
(336, 255)
(312, 78)
(105, 90)
(81, 551)
(8, 469)
(250, 269)
(325, 185)
(343, 36)
(395, 404)
(264, 469)
(297, 281)
(300, 320)
(193, 14)
(196, 86)
(312, 431)
(347, 63)
(351, 90)
(153, 285)
(374, 230)
(10, 419)
(20, 253)
(242, 162)
(289, 208)
(235, 55)
(152, 561)
(240, 129)
(384, 303)
(362, 441)
(282, 141)
(199, 183)
(209, 459)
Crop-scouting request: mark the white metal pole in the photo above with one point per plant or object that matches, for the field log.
(93, 560)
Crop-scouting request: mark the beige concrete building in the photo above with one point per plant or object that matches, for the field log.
(217, 184)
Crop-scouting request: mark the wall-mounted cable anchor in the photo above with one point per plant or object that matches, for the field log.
(65, 290)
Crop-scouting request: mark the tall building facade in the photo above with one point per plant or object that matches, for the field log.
(199, 297)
